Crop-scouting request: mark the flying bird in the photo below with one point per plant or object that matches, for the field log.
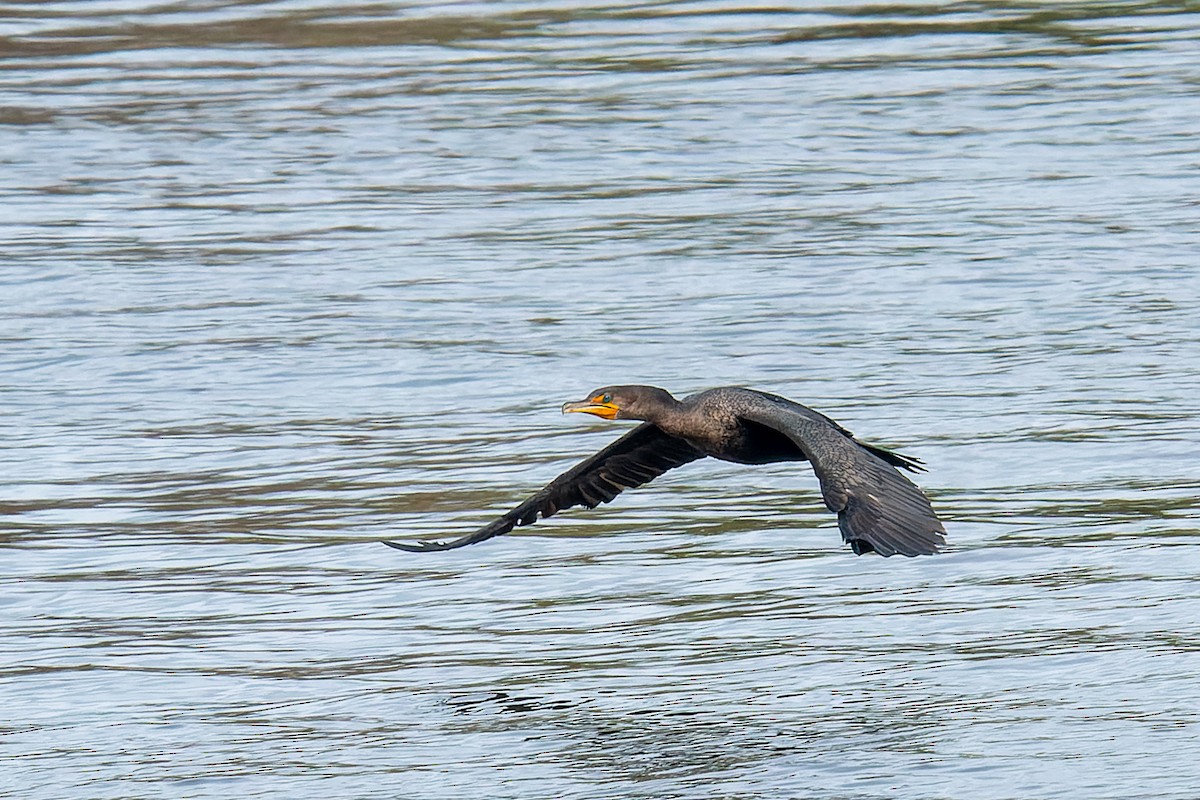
(879, 510)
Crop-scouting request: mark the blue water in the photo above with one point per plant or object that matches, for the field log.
(281, 280)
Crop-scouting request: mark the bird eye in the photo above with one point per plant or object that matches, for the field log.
(606, 399)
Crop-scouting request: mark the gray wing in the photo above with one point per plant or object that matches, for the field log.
(636, 458)
(878, 508)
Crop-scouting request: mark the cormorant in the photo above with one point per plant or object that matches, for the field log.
(878, 509)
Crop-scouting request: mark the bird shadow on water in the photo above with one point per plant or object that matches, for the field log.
(692, 738)
(595, 735)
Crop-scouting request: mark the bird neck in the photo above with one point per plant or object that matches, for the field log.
(663, 410)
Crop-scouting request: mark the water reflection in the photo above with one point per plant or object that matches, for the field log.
(285, 279)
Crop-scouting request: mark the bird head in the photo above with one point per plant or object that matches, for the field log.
(621, 402)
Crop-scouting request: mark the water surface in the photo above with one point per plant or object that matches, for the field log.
(282, 279)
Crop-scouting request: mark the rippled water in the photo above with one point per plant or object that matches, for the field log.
(282, 279)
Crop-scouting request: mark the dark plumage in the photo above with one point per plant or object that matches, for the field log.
(878, 508)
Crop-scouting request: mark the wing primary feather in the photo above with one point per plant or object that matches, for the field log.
(878, 508)
(636, 458)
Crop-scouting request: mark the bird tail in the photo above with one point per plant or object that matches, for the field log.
(910, 463)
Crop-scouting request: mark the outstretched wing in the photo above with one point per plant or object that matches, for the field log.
(878, 508)
(637, 457)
